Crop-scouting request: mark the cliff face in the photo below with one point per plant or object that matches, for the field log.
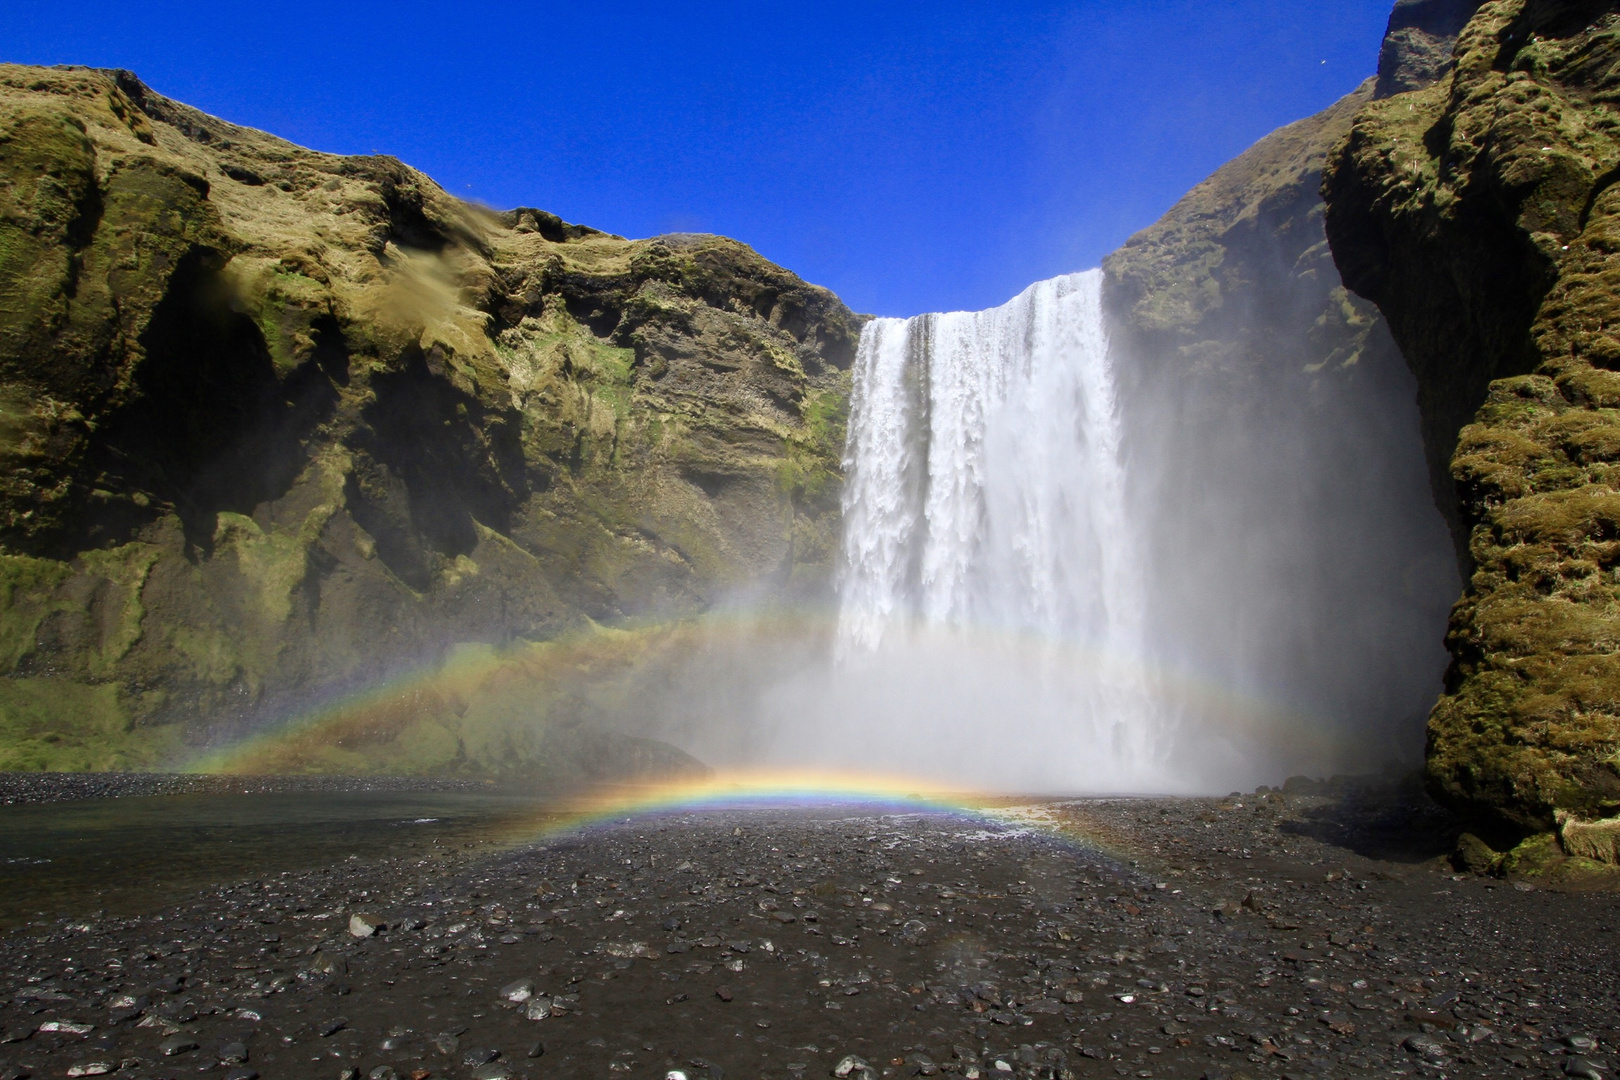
(1480, 214)
(1291, 482)
(275, 423)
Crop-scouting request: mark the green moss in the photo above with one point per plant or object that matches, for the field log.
(285, 308)
(1533, 856)
(47, 172)
(812, 468)
(211, 655)
(126, 567)
(27, 588)
(274, 564)
(60, 725)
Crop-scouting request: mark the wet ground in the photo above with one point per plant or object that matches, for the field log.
(1301, 937)
(130, 855)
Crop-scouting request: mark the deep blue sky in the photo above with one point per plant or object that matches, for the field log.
(910, 156)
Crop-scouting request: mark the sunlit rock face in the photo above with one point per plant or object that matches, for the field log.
(275, 422)
(1480, 215)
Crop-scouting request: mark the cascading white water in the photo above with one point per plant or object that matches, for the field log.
(985, 494)
(985, 485)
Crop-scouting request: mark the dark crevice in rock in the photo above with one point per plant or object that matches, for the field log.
(424, 431)
(211, 427)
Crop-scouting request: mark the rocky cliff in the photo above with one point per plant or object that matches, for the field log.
(1480, 214)
(276, 423)
(1292, 484)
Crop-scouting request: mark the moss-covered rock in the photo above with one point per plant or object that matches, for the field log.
(276, 424)
(1479, 213)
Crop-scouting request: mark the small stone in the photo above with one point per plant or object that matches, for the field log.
(242, 1074)
(537, 1050)
(1581, 1068)
(333, 1026)
(233, 1053)
(362, 925)
(382, 1072)
(350, 1073)
(479, 1055)
(445, 1042)
(15, 1034)
(177, 1044)
(493, 1071)
(518, 992)
(537, 1008)
(324, 964)
(1581, 1044)
(672, 924)
(847, 1064)
(67, 1027)
(91, 1068)
(723, 993)
(1424, 1045)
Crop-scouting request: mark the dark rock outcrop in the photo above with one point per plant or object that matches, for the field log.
(1480, 215)
(275, 423)
(1417, 45)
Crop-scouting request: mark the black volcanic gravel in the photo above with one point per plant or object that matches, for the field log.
(1201, 938)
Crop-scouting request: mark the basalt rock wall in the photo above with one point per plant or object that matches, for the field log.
(1480, 213)
(276, 423)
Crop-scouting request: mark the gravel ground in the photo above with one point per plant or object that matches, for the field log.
(1261, 937)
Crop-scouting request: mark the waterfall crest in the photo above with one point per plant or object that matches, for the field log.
(985, 486)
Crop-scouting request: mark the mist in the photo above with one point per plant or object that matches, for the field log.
(1071, 565)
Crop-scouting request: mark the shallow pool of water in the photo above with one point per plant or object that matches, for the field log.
(131, 855)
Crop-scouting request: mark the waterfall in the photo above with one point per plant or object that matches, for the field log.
(1075, 566)
(985, 485)
(986, 495)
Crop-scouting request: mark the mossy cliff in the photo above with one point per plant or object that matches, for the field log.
(1480, 214)
(275, 423)
(1280, 409)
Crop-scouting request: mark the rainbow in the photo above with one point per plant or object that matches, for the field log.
(609, 806)
(389, 728)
